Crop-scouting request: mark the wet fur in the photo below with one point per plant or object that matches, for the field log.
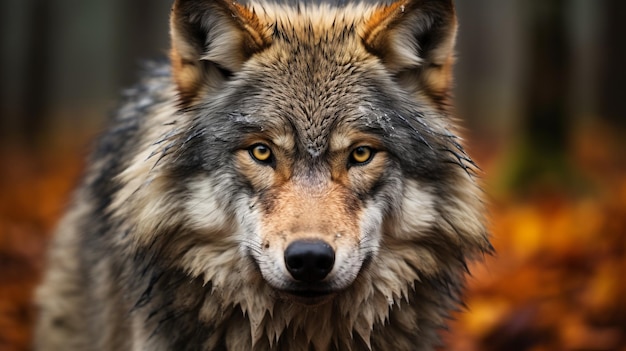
(168, 243)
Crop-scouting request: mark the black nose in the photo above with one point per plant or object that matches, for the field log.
(309, 261)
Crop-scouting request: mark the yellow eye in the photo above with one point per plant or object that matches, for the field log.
(261, 153)
(361, 154)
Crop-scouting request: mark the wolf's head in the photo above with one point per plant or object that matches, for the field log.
(312, 153)
(323, 136)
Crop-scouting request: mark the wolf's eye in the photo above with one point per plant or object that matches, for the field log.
(361, 155)
(261, 153)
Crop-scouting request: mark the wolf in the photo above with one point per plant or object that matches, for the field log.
(292, 179)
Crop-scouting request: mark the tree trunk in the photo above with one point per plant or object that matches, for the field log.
(540, 162)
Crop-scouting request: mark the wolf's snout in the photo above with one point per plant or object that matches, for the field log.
(309, 261)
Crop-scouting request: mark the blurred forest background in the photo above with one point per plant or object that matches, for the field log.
(541, 90)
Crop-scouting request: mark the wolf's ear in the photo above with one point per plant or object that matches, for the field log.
(211, 39)
(415, 41)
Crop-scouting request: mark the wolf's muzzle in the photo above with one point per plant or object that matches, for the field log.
(309, 261)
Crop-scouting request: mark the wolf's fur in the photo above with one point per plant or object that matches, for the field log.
(177, 235)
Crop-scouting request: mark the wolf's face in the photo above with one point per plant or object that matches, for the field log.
(316, 174)
(320, 137)
(316, 171)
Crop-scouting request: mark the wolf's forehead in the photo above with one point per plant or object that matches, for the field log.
(315, 142)
(313, 72)
(313, 108)
(319, 134)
